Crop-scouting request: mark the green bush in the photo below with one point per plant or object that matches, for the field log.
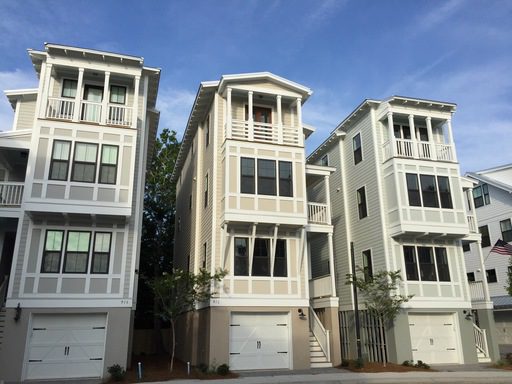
(359, 363)
(345, 363)
(501, 363)
(203, 368)
(421, 364)
(223, 369)
(116, 372)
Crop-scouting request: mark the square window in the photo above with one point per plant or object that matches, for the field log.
(506, 230)
(69, 88)
(471, 276)
(117, 94)
(486, 240)
(491, 276)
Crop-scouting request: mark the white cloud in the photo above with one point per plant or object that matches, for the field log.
(175, 106)
(323, 12)
(10, 80)
(437, 15)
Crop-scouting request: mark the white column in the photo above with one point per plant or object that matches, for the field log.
(413, 136)
(45, 89)
(450, 132)
(78, 96)
(279, 120)
(331, 264)
(391, 134)
(327, 198)
(431, 143)
(229, 114)
(250, 119)
(135, 106)
(487, 296)
(299, 122)
(106, 98)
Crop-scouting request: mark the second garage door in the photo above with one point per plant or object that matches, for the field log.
(259, 341)
(434, 338)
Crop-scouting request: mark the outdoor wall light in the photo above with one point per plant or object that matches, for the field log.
(468, 314)
(17, 316)
(302, 315)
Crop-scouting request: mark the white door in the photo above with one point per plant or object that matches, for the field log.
(434, 338)
(259, 341)
(66, 346)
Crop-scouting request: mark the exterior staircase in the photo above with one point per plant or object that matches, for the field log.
(317, 356)
(482, 349)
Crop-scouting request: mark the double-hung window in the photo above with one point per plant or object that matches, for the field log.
(101, 252)
(261, 257)
(413, 190)
(84, 162)
(443, 270)
(266, 177)
(426, 263)
(411, 266)
(247, 175)
(506, 230)
(241, 256)
(429, 191)
(77, 252)
(361, 203)
(52, 251)
(356, 146)
(285, 179)
(59, 165)
(444, 192)
(206, 190)
(367, 265)
(481, 195)
(69, 88)
(486, 239)
(108, 166)
(117, 94)
(491, 275)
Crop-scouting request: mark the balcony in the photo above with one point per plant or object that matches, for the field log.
(421, 150)
(11, 194)
(318, 213)
(61, 108)
(476, 290)
(320, 287)
(472, 224)
(264, 132)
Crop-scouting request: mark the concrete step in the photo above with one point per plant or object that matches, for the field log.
(318, 359)
(321, 365)
(316, 353)
(316, 348)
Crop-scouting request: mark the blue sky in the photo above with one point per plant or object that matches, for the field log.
(345, 51)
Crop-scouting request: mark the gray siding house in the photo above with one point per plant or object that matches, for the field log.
(71, 197)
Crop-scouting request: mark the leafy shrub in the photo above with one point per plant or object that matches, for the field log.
(421, 364)
(223, 369)
(501, 363)
(345, 363)
(359, 363)
(408, 363)
(203, 368)
(116, 372)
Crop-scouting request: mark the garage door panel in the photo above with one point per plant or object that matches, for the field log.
(66, 346)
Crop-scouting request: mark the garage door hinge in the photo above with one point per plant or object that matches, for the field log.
(98, 327)
(447, 324)
(96, 358)
(281, 325)
(282, 352)
(234, 353)
(34, 361)
(39, 329)
(450, 349)
(415, 349)
(234, 325)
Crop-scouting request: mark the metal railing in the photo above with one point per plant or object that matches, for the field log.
(321, 334)
(481, 340)
(318, 213)
(60, 108)
(11, 194)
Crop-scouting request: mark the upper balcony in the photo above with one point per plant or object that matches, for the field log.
(418, 137)
(86, 96)
(319, 202)
(13, 166)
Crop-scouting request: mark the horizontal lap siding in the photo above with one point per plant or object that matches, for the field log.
(26, 114)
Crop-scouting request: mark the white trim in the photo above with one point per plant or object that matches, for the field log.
(70, 302)
(250, 301)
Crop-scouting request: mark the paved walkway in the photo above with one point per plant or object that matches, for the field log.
(469, 373)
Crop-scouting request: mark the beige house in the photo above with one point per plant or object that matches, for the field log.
(71, 198)
(248, 203)
(397, 197)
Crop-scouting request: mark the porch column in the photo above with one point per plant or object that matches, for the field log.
(450, 139)
(135, 106)
(250, 118)
(331, 264)
(327, 198)
(431, 144)
(78, 96)
(299, 122)
(46, 90)
(106, 98)
(413, 136)
(391, 134)
(279, 121)
(228, 113)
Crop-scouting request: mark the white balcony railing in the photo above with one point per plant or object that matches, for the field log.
(476, 290)
(91, 112)
(321, 334)
(480, 340)
(119, 115)
(424, 150)
(11, 194)
(264, 132)
(472, 224)
(318, 213)
(60, 108)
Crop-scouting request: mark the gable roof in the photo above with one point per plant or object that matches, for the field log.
(486, 176)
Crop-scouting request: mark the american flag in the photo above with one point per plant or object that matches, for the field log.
(502, 247)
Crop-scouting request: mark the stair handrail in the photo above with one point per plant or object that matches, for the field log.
(3, 290)
(481, 340)
(321, 334)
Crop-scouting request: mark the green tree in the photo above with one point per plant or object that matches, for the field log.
(157, 240)
(380, 296)
(508, 287)
(179, 292)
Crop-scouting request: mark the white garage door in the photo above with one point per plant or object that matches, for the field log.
(66, 346)
(434, 338)
(259, 341)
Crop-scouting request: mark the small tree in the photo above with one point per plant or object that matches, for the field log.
(508, 287)
(178, 292)
(380, 296)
